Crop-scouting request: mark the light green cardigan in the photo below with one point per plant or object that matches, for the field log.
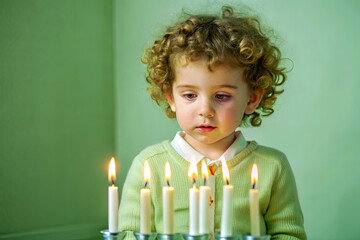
(281, 215)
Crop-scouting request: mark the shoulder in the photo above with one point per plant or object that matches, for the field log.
(271, 157)
(152, 154)
(154, 151)
(269, 153)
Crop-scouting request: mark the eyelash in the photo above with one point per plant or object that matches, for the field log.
(187, 96)
(219, 97)
(223, 97)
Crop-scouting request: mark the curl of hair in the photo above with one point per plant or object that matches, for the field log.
(229, 39)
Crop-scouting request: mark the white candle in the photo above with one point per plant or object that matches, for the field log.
(193, 203)
(113, 199)
(226, 216)
(204, 218)
(194, 211)
(254, 204)
(145, 201)
(145, 211)
(168, 203)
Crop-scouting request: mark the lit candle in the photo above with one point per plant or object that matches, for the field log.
(168, 203)
(226, 216)
(145, 203)
(204, 222)
(254, 204)
(193, 202)
(113, 199)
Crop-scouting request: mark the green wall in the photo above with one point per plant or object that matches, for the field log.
(315, 121)
(65, 109)
(56, 117)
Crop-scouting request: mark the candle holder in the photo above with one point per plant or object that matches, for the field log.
(235, 236)
(112, 236)
(175, 236)
(140, 236)
(262, 237)
(196, 237)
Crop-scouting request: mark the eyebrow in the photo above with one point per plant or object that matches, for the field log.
(228, 86)
(218, 86)
(186, 86)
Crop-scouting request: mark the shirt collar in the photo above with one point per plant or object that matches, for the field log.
(188, 152)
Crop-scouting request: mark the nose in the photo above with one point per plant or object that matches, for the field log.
(206, 109)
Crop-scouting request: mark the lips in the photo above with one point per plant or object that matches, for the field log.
(205, 128)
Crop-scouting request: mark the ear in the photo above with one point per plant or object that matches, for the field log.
(171, 102)
(254, 100)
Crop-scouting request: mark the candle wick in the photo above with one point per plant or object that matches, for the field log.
(168, 183)
(112, 181)
(227, 181)
(146, 184)
(205, 181)
(254, 185)
(194, 183)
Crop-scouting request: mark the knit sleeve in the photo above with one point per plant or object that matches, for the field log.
(129, 210)
(284, 218)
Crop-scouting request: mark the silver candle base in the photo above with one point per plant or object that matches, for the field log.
(262, 237)
(197, 237)
(140, 236)
(174, 236)
(235, 236)
(112, 236)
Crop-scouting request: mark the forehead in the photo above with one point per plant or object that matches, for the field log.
(198, 72)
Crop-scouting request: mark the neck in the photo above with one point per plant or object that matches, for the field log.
(214, 150)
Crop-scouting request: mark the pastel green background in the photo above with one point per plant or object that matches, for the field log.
(72, 94)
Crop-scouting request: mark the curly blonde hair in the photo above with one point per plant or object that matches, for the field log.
(229, 39)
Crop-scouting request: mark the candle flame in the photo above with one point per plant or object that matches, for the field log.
(225, 171)
(146, 172)
(254, 175)
(112, 171)
(205, 171)
(193, 171)
(167, 173)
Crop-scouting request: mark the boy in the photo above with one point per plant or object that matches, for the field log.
(213, 74)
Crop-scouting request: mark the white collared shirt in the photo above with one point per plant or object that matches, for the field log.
(189, 153)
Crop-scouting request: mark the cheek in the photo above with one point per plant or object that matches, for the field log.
(231, 116)
(184, 118)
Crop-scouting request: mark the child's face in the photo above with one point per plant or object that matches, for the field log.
(210, 105)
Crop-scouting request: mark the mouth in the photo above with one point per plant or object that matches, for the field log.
(205, 128)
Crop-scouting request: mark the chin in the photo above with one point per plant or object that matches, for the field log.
(207, 140)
